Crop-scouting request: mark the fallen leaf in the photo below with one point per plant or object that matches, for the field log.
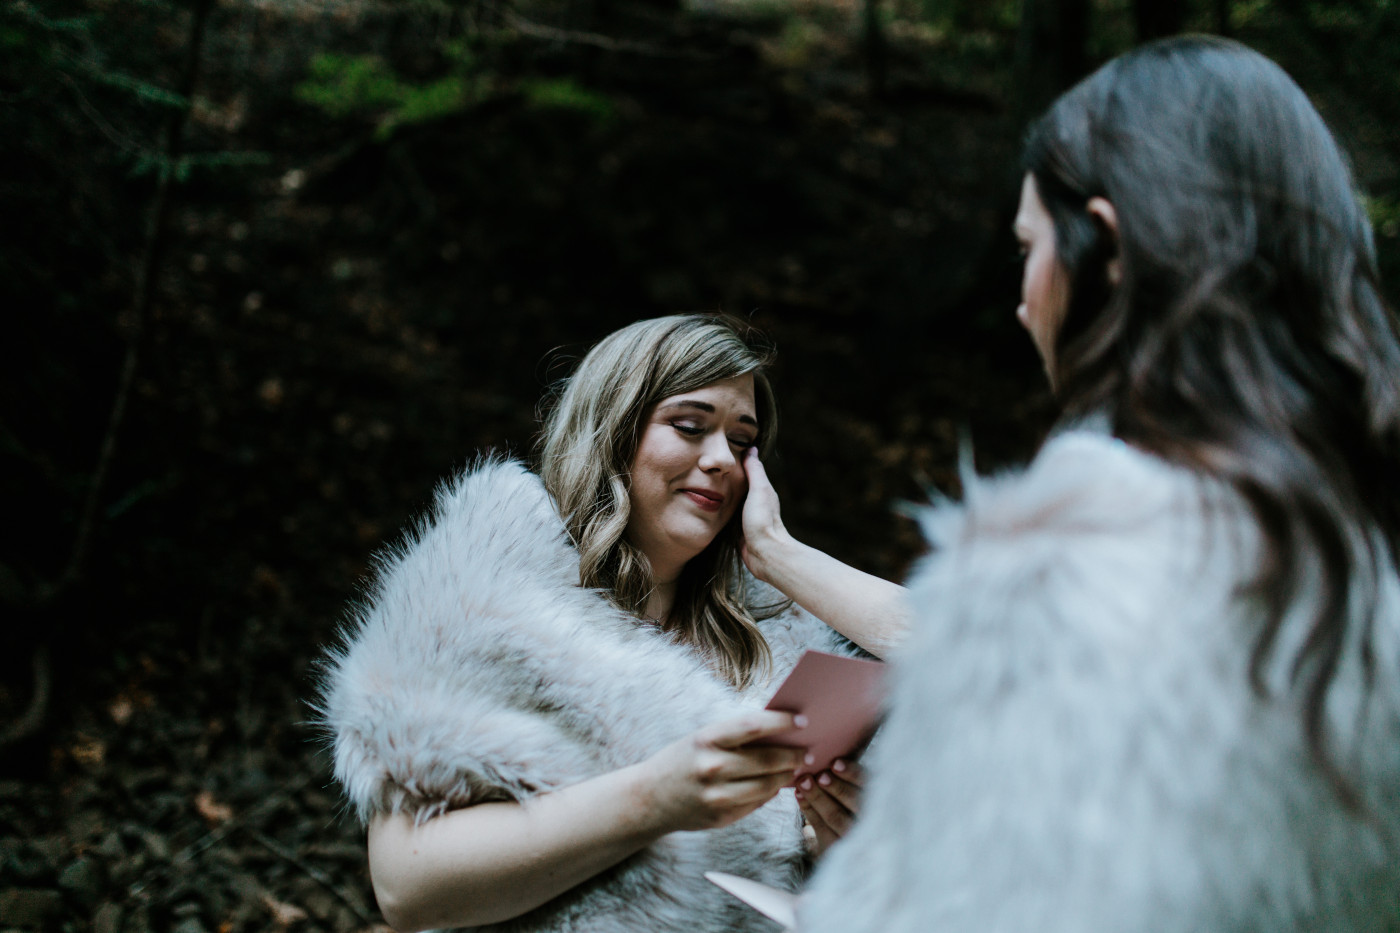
(89, 751)
(213, 812)
(283, 914)
(121, 709)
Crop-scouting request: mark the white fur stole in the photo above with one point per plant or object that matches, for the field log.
(479, 670)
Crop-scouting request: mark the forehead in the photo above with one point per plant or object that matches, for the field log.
(1031, 213)
(734, 396)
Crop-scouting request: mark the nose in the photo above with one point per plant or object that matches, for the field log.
(717, 456)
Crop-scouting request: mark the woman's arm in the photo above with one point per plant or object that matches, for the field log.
(871, 612)
(490, 862)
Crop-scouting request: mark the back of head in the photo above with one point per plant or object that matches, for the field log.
(1237, 218)
(1245, 335)
(589, 442)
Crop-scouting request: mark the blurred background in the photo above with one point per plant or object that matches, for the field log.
(269, 269)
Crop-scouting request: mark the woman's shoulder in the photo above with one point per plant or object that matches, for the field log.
(1084, 546)
(494, 516)
(496, 495)
(1081, 483)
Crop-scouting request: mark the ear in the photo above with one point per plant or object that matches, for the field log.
(1102, 210)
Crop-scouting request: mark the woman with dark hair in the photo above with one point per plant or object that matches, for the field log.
(557, 681)
(1154, 681)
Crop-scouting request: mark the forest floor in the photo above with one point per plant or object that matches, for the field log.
(354, 316)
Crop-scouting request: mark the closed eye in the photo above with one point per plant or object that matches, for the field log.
(689, 430)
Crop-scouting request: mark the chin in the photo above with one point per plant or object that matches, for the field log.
(695, 540)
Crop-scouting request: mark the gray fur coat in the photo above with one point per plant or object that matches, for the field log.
(1073, 745)
(479, 670)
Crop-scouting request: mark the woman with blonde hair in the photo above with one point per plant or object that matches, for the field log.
(556, 680)
(1155, 680)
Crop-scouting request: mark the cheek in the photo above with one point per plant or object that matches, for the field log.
(738, 491)
(1042, 293)
(659, 458)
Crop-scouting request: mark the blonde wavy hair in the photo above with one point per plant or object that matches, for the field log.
(592, 428)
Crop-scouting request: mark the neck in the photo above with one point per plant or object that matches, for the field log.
(661, 599)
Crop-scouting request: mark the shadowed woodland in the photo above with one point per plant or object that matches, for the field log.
(271, 268)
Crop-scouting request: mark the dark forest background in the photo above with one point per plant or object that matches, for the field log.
(271, 268)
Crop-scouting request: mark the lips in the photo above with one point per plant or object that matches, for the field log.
(705, 499)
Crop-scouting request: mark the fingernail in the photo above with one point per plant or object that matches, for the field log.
(799, 721)
(809, 759)
(806, 784)
(824, 779)
(838, 766)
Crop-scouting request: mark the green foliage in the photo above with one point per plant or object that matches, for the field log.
(1384, 211)
(343, 85)
(157, 163)
(141, 90)
(797, 44)
(69, 60)
(568, 94)
(68, 49)
(357, 85)
(346, 86)
(971, 16)
(436, 99)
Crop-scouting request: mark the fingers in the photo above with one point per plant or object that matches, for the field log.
(753, 467)
(752, 728)
(843, 793)
(754, 792)
(826, 814)
(723, 803)
(818, 834)
(849, 770)
(830, 801)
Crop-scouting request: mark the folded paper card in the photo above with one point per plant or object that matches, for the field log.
(841, 698)
(773, 903)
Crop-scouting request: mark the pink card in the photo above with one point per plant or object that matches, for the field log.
(842, 700)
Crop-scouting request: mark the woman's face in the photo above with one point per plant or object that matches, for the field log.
(1044, 280)
(688, 477)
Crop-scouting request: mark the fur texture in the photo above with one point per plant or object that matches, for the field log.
(479, 670)
(1073, 744)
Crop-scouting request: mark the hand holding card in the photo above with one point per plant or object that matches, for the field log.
(841, 697)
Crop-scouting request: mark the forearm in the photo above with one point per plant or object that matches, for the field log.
(494, 861)
(871, 612)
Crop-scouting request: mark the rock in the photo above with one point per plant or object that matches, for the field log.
(108, 919)
(189, 925)
(53, 850)
(83, 880)
(110, 848)
(156, 845)
(29, 908)
(319, 903)
(19, 862)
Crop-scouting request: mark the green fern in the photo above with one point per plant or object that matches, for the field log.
(568, 94)
(345, 85)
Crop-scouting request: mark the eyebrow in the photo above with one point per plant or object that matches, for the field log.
(706, 407)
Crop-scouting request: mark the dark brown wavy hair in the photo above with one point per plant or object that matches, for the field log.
(1247, 338)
